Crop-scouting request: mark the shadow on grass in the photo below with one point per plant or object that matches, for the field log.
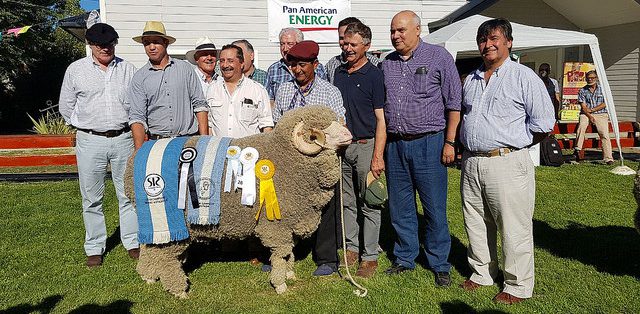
(112, 241)
(611, 249)
(45, 306)
(200, 253)
(120, 306)
(459, 307)
(457, 255)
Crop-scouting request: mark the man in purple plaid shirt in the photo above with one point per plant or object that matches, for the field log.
(423, 112)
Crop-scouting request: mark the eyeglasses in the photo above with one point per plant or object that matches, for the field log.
(592, 78)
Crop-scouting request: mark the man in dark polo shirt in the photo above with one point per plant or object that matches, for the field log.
(423, 111)
(362, 88)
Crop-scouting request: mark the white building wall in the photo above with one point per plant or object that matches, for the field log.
(226, 21)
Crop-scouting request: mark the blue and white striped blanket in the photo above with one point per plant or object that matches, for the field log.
(207, 170)
(155, 175)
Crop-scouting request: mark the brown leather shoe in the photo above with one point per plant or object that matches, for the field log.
(367, 269)
(506, 298)
(134, 253)
(470, 285)
(352, 258)
(94, 261)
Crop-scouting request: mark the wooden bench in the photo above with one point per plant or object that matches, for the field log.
(565, 133)
(36, 150)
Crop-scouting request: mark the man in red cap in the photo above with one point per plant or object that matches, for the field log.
(306, 90)
(91, 100)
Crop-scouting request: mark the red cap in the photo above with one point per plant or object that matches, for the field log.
(306, 50)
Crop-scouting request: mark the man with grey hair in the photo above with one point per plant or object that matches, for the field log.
(423, 111)
(279, 71)
(90, 100)
(249, 69)
(362, 88)
(341, 59)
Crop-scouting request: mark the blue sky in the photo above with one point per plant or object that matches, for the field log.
(89, 4)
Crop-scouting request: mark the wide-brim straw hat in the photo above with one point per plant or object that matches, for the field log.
(154, 28)
(203, 43)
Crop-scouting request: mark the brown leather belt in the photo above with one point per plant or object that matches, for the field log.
(361, 141)
(408, 137)
(154, 137)
(494, 152)
(110, 133)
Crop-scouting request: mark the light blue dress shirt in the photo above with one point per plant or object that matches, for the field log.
(506, 111)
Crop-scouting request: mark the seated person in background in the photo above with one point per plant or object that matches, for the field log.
(593, 110)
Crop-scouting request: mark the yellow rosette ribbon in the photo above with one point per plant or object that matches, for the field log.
(265, 171)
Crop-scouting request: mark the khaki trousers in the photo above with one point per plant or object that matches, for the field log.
(602, 123)
(498, 194)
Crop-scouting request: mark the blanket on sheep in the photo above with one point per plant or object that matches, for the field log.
(208, 167)
(157, 187)
(155, 178)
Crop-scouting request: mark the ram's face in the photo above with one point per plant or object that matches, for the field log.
(320, 132)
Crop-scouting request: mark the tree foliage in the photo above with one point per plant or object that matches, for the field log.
(32, 64)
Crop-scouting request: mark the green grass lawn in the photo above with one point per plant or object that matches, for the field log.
(587, 260)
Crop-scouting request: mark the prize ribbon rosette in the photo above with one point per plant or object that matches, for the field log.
(268, 198)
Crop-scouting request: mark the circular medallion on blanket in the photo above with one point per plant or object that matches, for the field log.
(188, 154)
(153, 184)
(204, 188)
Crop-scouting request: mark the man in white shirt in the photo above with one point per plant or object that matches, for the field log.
(204, 57)
(92, 100)
(238, 106)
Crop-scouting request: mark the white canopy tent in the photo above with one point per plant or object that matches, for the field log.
(459, 39)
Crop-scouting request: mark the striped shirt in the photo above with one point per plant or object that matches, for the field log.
(91, 98)
(320, 93)
(506, 111)
(592, 100)
(164, 100)
(278, 73)
(334, 63)
(420, 90)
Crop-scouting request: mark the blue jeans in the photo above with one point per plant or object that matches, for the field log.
(93, 154)
(410, 166)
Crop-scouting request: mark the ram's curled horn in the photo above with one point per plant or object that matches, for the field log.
(301, 143)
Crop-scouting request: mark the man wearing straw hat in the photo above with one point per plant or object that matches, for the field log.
(165, 96)
(204, 57)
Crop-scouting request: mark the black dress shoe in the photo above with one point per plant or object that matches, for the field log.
(443, 279)
(396, 269)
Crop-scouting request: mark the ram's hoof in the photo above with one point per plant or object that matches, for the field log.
(280, 289)
(181, 295)
(291, 275)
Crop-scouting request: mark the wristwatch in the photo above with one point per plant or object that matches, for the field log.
(452, 143)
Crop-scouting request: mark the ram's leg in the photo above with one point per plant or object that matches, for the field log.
(163, 262)
(279, 268)
(291, 274)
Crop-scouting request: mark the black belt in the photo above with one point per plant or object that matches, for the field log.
(110, 133)
(494, 152)
(409, 137)
(154, 137)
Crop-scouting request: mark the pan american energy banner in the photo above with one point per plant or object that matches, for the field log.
(317, 19)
